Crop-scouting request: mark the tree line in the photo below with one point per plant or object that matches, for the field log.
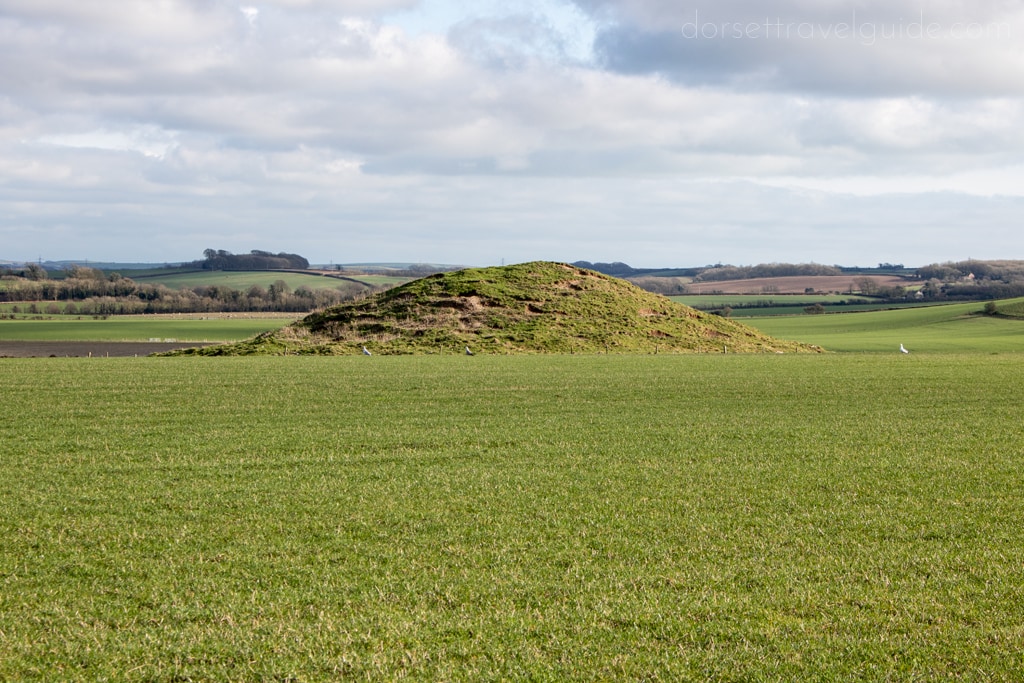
(88, 291)
(994, 271)
(972, 280)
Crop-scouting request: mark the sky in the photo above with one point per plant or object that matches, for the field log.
(654, 132)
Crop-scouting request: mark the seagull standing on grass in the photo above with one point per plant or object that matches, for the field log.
(903, 350)
(366, 352)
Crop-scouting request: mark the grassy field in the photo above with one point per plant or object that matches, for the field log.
(723, 517)
(142, 328)
(1013, 308)
(947, 328)
(241, 280)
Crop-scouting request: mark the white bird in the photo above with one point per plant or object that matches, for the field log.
(366, 352)
(903, 350)
(468, 352)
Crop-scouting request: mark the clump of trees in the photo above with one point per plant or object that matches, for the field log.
(870, 287)
(34, 271)
(218, 259)
(993, 271)
(972, 280)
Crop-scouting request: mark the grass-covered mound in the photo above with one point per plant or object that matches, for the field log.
(537, 307)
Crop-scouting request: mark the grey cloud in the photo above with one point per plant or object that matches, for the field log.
(874, 48)
(849, 68)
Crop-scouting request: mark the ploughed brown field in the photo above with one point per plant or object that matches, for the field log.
(96, 349)
(840, 284)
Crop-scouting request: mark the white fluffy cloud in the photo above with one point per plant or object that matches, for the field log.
(361, 131)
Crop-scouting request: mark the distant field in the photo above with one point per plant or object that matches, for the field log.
(796, 285)
(382, 280)
(777, 304)
(945, 328)
(937, 328)
(241, 280)
(709, 300)
(799, 310)
(551, 518)
(142, 328)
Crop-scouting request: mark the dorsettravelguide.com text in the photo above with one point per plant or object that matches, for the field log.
(867, 32)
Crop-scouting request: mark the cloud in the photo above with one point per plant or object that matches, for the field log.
(337, 125)
(493, 96)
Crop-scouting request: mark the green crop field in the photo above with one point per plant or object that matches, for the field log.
(1013, 308)
(141, 328)
(720, 517)
(947, 328)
